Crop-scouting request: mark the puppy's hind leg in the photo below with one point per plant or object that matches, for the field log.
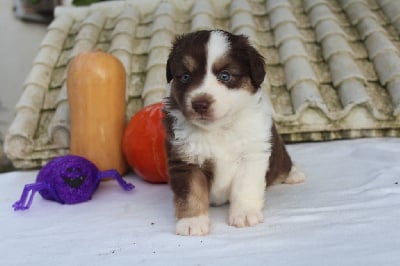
(281, 168)
(295, 176)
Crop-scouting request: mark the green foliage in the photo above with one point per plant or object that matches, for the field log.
(84, 2)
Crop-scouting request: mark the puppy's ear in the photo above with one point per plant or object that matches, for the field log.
(257, 67)
(168, 70)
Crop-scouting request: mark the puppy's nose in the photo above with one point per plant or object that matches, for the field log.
(201, 106)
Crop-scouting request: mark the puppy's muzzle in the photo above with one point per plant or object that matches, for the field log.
(201, 106)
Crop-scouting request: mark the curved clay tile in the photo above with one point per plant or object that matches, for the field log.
(130, 13)
(155, 85)
(122, 41)
(297, 70)
(292, 48)
(202, 7)
(273, 4)
(163, 23)
(285, 32)
(356, 10)
(392, 11)
(388, 67)
(59, 127)
(124, 26)
(61, 23)
(241, 20)
(318, 12)
(379, 43)
(202, 21)
(240, 6)
(393, 88)
(157, 56)
(352, 92)
(281, 15)
(122, 46)
(328, 28)
(19, 142)
(202, 16)
(54, 38)
(160, 39)
(88, 34)
(335, 44)
(305, 95)
(343, 68)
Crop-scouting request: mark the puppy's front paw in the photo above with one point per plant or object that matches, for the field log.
(193, 226)
(246, 218)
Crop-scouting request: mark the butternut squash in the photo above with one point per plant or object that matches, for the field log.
(96, 94)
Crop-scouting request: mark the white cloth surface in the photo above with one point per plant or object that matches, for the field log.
(346, 213)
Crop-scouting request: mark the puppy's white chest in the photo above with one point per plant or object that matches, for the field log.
(226, 169)
(196, 147)
(225, 153)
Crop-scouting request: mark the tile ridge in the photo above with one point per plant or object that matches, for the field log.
(392, 10)
(242, 21)
(20, 136)
(301, 80)
(59, 126)
(88, 34)
(202, 16)
(381, 51)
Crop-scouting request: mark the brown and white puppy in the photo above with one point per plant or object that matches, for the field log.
(222, 144)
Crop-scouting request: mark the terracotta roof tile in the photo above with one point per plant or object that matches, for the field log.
(333, 67)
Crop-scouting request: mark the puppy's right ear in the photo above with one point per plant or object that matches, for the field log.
(168, 70)
(257, 66)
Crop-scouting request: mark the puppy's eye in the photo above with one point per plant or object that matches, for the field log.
(185, 78)
(224, 76)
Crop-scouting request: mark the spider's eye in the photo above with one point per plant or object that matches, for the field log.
(185, 78)
(224, 76)
(69, 170)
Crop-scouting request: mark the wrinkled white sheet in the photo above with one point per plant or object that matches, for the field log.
(346, 213)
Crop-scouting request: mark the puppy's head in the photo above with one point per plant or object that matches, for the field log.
(212, 75)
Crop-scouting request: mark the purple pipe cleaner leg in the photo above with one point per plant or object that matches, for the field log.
(29, 190)
(115, 175)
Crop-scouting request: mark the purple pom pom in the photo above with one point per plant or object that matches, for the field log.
(73, 178)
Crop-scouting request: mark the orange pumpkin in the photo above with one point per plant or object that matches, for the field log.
(96, 95)
(144, 144)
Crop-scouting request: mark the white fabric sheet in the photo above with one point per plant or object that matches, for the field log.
(346, 213)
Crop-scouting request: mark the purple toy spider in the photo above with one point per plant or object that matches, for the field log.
(67, 179)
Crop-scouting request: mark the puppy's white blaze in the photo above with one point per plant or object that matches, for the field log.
(217, 46)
